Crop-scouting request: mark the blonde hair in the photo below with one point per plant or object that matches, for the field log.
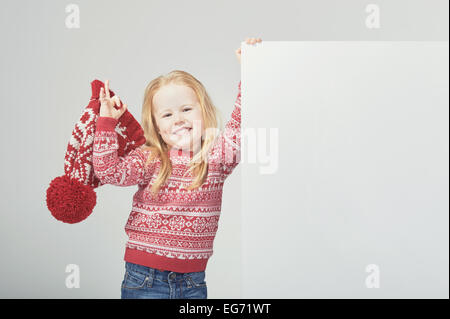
(198, 164)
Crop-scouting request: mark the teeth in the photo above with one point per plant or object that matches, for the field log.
(183, 131)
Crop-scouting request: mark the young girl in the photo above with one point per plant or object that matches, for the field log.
(180, 172)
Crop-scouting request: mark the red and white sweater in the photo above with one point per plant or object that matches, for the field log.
(174, 231)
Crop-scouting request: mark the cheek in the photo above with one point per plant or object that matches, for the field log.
(164, 128)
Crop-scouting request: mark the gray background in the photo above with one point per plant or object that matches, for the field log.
(46, 69)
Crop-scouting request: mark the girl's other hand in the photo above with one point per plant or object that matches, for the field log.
(248, 41)
(107, 104)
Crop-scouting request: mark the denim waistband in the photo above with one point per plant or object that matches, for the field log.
(164, 275)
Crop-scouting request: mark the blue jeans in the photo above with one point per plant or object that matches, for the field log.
(141, 282)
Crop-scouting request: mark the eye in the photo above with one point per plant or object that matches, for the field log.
(166, 115)
(187, 109)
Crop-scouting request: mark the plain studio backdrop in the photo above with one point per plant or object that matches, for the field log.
(361, 171)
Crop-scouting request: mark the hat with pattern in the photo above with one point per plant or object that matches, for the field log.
(71, 197)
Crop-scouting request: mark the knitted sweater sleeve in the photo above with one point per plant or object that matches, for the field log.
(229, 141)
(108, 166)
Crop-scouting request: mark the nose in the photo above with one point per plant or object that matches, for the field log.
(179, 120)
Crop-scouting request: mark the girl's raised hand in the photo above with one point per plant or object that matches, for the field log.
(107, 104)
(248, 41)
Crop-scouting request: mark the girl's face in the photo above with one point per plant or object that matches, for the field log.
(178, 117)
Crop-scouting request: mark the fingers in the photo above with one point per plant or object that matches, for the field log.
(107, 89)
(116, 101)
(252, 40)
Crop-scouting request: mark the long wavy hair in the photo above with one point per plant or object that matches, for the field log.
(198, 164)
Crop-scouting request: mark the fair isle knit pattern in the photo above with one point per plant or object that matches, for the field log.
(78, 157)
(174, 230)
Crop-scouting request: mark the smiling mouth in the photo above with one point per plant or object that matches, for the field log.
(183, 131)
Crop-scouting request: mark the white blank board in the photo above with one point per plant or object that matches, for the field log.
(350, 198)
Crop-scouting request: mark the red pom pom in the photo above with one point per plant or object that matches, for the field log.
(69, 200)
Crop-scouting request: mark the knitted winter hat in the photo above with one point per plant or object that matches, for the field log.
(71, 197)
